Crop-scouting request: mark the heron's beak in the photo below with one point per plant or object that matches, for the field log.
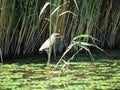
(59, 36)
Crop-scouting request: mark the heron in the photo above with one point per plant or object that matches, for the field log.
(47, 45)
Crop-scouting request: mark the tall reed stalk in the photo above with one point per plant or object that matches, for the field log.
(26, 24)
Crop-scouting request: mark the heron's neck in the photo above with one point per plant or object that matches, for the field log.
(52, 38)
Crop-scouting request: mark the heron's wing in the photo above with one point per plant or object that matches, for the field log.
(45, 45)
(49, 42)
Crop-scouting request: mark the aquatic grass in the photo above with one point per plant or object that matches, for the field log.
(101, 74)
(79, 77)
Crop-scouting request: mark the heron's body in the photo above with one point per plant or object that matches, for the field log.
(47, 45)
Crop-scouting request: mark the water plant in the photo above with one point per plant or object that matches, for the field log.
(78, 43)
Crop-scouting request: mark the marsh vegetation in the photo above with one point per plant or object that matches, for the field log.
(26, 24)
(82, 74)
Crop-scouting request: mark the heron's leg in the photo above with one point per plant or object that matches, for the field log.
(48, 62)
(49, 56)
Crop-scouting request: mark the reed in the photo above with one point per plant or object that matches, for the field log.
(26, 24)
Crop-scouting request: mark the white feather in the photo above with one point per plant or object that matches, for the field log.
(49, 42)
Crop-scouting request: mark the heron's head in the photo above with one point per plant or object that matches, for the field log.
(56, 35)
